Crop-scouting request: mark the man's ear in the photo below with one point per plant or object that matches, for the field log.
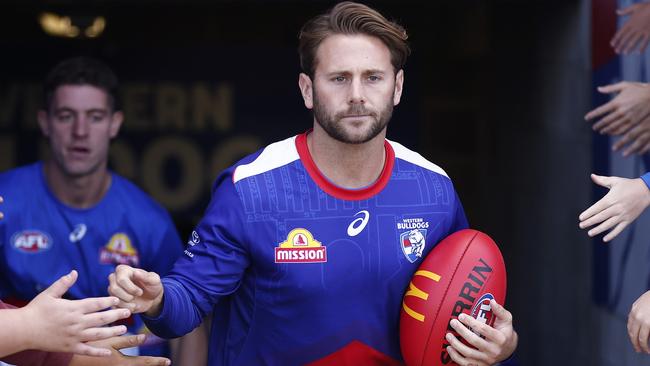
(116, 122)
(399, 84)
(306, 89)
(42, 122)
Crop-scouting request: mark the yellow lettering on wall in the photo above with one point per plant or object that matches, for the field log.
(229, 151)
(137, 111)
(171, 107)
(212, 106)
(189, 158)
(122, 158)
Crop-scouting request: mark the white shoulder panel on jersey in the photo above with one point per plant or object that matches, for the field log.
(412, 157)
(273, 156)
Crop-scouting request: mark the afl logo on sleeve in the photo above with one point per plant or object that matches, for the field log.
(300, 247)
(31, 241)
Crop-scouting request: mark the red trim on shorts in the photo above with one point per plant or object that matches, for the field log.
(340, 192)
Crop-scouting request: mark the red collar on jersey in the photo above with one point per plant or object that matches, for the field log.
(340, 192)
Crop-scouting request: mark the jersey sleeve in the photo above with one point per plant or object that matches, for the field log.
(212, 266)
(459, 219)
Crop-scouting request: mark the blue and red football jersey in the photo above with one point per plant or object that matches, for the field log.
(295, 269)
(41, 239)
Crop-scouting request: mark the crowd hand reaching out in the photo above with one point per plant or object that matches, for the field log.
(630, 106)
(625, 201)
(59, 325)
(116, 358)
(635, 33)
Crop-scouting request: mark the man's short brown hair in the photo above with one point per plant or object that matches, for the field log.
(351, 18)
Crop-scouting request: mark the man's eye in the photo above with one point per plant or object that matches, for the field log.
(374, 78)
(339, 79)
(64, 117)
(96, 118)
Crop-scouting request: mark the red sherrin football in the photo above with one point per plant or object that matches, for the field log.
(461, 274)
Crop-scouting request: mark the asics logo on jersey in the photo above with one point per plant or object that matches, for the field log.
(358, 224)
(77, 233)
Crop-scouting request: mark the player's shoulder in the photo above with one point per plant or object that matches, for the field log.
(411, 157)
(273, 156)
(21, 178)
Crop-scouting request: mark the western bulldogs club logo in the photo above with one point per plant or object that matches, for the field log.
(413, 243)
(413, 240)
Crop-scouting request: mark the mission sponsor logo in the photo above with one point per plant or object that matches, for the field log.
(119, 250)
(31, 241)
(300, 247)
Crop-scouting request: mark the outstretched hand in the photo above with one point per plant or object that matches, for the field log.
(56, 324)
(625, 201)
(116, 358)
(635, 33)
(625, 111)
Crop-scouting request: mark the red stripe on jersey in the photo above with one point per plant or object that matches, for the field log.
(340, 192)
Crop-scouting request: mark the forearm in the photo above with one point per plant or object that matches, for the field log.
(177, 316)
(14, 335)
(38, 358)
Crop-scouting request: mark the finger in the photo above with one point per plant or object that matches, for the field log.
(633, 148)
(618, 126)
(123, 288)
(619, 36)
(643, 339)
(148, 361)
(147, 278)
(99, 333)
(633, 332)
(632, 42)
(503, 315)
(605, 122)
(606, 225)
(480, 328)
(94, 304)
(614, 233)
(603, 109)
(127, 341)
(61, 286)
(622, 141)
(612, 88)
(625, 32)
(599, 217)
(627, 11)
(88, 350)
(105, 317)
(458, 358)
(643, 43)
(469, 336)
(462, 348)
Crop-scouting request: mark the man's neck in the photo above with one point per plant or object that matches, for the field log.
(77, 191)
(349, 166)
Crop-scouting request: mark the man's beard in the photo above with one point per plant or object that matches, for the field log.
(335, 129)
